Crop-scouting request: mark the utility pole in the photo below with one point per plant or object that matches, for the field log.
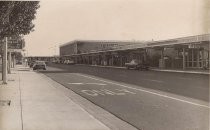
(14, 61)
(9, 62)
(6, 22)
(4, 67)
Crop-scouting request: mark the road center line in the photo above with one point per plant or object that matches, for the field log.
(146, 91)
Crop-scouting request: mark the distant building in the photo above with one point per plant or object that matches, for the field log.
(87, 46)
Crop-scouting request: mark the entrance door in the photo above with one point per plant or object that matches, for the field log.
(193, 58)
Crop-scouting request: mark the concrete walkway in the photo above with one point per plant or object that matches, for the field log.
(206, 72)
(38, 105)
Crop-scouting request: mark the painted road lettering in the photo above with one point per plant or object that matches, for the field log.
(89, 92)
(104, 92)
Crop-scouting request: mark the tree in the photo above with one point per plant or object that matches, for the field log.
(16, 17)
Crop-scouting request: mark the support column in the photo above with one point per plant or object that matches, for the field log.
(9, 62)
(75, 59)
(99, 60)
(102, 59)
(193, 58)
(112, 60)
(121, 60)
(161, 61)
(198, 58)
(162, 54)
(13, 61)
(92, 59)
(188, 59)
(88, 60)
(145, 55)
(183, 62)
(4, 65)
(106, 59)
(202, 59)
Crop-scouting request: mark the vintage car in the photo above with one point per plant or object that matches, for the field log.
(31, 63)
(39, 65)
(135, 64)
(69, 62)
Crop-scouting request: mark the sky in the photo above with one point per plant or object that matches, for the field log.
(61, 21)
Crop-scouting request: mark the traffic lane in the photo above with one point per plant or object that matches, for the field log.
(196, 88)
(201, 80)
(189, 85)
(143, 110)
(126, 73)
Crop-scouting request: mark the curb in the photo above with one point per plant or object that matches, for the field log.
(179, 71)
(160, 70)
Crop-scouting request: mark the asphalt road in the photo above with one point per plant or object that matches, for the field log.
(148, 100)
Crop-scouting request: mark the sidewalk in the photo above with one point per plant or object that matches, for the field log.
(37, 104)
(206, 72)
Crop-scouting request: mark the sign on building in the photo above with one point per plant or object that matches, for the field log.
(194, 46)
(15, 44)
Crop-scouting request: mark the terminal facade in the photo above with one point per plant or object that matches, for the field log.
(180, 53)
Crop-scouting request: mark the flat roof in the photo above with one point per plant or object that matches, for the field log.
(138, 45)
(181, 40)
(103, 41)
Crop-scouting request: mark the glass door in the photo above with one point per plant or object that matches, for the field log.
(193, 58)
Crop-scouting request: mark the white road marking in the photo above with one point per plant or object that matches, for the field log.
(90, 93)
(184, 78)
(95, 83)
(161, 95)
(104, 92)
(76, 83)
(159, 81)
(86, 83)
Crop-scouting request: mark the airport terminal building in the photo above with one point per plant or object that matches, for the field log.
(180, 53)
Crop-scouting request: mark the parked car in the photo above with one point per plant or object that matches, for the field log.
(65, 62)
(56, 61)
(135, 64)
(39, 65)
(18, 62)
(31, 63)
(69, 62)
